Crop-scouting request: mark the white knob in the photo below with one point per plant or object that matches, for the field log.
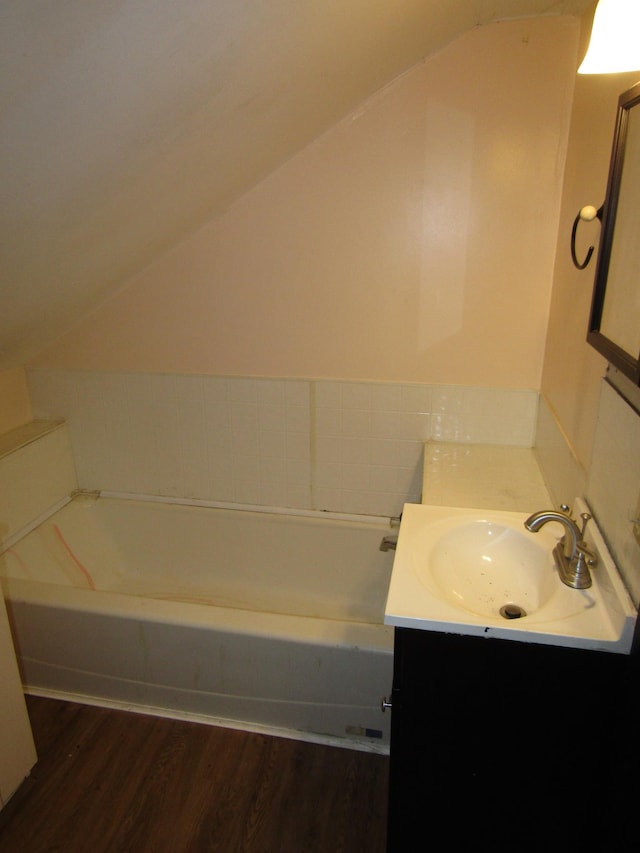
(588, 212)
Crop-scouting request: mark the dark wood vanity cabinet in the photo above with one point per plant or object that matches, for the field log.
(508, 746)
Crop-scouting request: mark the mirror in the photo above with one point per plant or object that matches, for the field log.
(614, 326)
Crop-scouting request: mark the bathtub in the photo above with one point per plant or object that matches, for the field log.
(256, 620)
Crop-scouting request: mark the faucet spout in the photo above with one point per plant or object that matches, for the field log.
(571, 535)
(571, 554)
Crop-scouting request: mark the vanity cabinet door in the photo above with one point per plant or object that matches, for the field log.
(497, 742)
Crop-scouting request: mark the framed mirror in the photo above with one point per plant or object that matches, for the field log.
(614, 325)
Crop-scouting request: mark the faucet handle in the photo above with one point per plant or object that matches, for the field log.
(585, 552)
(585, 557)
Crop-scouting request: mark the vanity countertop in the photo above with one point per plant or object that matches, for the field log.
(484, 476)
(464, 563)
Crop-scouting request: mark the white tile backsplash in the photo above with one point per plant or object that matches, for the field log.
(613, 485)
(334, 445)
(34, 477)
(565, 477)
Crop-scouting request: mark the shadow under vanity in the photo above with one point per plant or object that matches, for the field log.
(499, 740)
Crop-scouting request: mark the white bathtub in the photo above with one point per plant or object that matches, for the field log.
(251, 619)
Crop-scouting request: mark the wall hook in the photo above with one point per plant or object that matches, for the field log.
(587, 214)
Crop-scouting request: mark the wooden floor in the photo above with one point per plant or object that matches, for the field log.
(112, 781)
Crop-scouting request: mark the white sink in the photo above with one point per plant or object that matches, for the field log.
(484, 564)
(481, 572)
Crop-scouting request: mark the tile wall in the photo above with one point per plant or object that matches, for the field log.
(613, 485)
(309, 444)
(36, 472)
(565, 477)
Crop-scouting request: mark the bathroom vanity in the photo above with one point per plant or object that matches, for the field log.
(513, 695)
(505, 745)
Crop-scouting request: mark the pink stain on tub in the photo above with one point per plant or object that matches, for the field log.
(84, 571)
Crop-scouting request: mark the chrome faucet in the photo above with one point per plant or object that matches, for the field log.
(572, 554)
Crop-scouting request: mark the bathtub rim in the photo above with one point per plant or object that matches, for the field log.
(266, 623)
(256, 623)
(90, 495)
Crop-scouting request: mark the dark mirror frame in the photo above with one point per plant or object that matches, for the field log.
(627, 363)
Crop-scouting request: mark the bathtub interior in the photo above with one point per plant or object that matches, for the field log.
(233, 617)
(307, 566)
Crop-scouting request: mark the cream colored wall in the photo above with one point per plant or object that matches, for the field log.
(16, 741)
(15, 407)
(572, 369)
(413, 242)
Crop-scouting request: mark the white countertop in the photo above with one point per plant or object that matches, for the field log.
(504, 484)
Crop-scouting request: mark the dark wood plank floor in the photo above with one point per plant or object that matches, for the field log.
(112, 781)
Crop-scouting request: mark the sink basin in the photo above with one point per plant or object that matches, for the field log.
(481, 572)
(489, 566)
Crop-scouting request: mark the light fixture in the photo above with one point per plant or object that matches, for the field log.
(615, 38)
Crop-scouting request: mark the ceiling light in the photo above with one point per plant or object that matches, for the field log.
(615, 38)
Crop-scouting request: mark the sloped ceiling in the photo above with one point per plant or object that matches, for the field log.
(126, 124)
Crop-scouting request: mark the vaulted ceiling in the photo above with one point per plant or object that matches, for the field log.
(126, 124)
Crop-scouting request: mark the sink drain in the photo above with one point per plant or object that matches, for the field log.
(512, 611)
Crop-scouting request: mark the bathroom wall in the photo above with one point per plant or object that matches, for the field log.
(37, 472)
(613, 486)
(15, 406)
(351, 447)
(414, 242)
(572, 369)
(588, 437)
(389, 284)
